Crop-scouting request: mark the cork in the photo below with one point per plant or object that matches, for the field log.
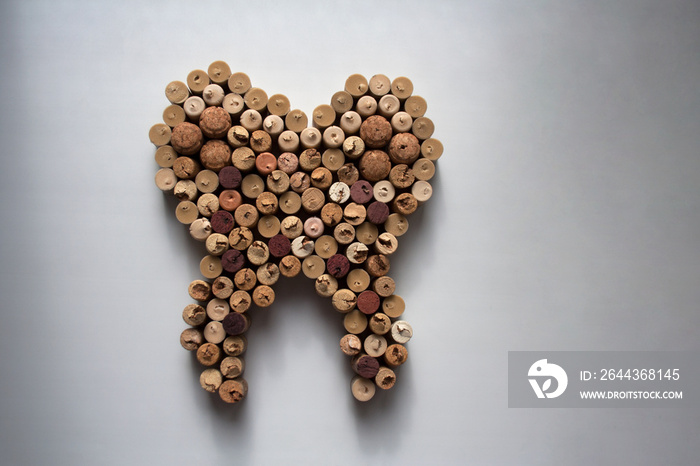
(384, 287)
(230, 199)
(326, 285)
(401, 332)
(219, 72)
(288, 162)
(239, 83)
(265, 163)
(388, 106)
(222, 287)
(177, 92)
(210, 266)
(232, 367)
(355, 322)
(258, 253)
(215, 155)
(356, 85)
(358, 281)
(240, 238)
(240, 301)
(268, 273)
(326, 246)
(263, 296)
(422, 191)
(377, 265)
(235, 345)
(302, 247)
(278, 105)
(331, 214)
(339, 192)
(215, 122)
(199, 290)
(310, 138)
(341, 102)
(260, 141)
(266, 203)
(186, 212)
(366, 106)
(368, 301)
(379, 85)
(396, 224)
(173, 115)
(210, 380)
(296, 120)
(207, 204)
(197, 80)
(401, 122)
(365, 365)
(299, 182)
(386, 243)
(160, 134)
(233, 104)
(333, 159)
(357, 253)
(313, 227)
(374, 165)
(279, 246)
(208, 354)
(376, 132)
(216, 244)
(353, 147)
(401, 176)
(402, 87)
(384, 191)
(288, 141)
(333, 137)
(246, 215)
(243, 158)
(375, 345)
(423, 128)
(350, 122)
(366, 233)
(343, 300)
(415, 106)
(194, 315)
(290, 266)
(278, 182)
(256, 99)
(193, 108)
(361, 192)
(233, 390)
(344, 233)
(405, 204)
(362, 389)
(423, 169)
(165, 156)
(186, 138)
(350, 344)
(323, 116)
(291, 226)
(338, 265)
(395, 355)
(236, 323)
(238, 136)
(191, 339)
(186, 190)
(385, 378)
(290, 203)
(312, 200)
(251, 120)
(232, 260)
(321, 178)
(377, 213)
(207, 181)
(310, 159)
(393, 306)
(273, 125)
(214, 333)
(313, 266)
(354, 213)
(404, 148)
(166, 179)
(213, 95)
(380, 323)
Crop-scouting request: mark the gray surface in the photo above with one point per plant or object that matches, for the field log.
(566, 217)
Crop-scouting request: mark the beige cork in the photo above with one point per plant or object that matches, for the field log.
(237, 136)
(256, 99)
(232, 367)
(240, 238)
(302, 247)
(260, 141)
(380, 323)
(193, 108)
(402, 87)
(388, 106)
(344, 300)
(296, 120)
(243, 158)
(423, 128)
(288, 141)
(290, 266)
(191, 339)
(313, 266)
(331, 214)
(233, 104)
(199, 290)
(357, 253)
(266, 203)
(208, 354)
(358, 280)
(273, 125)
(401, 332)
(194, 314)
(379, 85)
(173, 115)
(263, 296)
(200, 229)
(366, 106)
(384, 286)
(251, 120)
(423, 169)
(291, 227)
(268, 274)
(268, 226)
(240, 301)
(333, 159)
(207, 181)
(258, 253)
(375, 345)
(396, 224)
(362, 389)
(401, 122)
(290, 203)
(213, 94)
(367, 233)
(186, 190)
(393, 306)
(321, 178)
(415, 106)
(341, 102)
(312, 200)
(177, 92)
(235, 345)
(166, 179)
(219, 72)
(348, 174)
(386, 243)
(310, 138)
(214, 332)
(278, 182)
(422, 191)
(323, 116)
(210, 380)
(197, 80)
(245, 279)
(278, 104)
(299, 182)
(160, 134)
(310, 159)
(350, 122)
(355, 322)
(356, 85)
(222, 287)
(354, 213)
(385, 378)
(186, 212)
(326, 246)
(431, 149)
(210, 266)
(246, 215)
(207, 204)
(350, 344)
(326, 285)
(344, 233)
(353, 147)
(216, 244)
(165, 156)
(239, 83)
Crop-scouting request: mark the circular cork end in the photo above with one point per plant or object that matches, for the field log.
(362, 389)
(278, 104)
(239, 83)
(232, 260)
(235, 323)
(296, 120)
(191, 339)
(361, 192)
(177, 92)
(210, 380)
(356, 85)
(368, 302)
(215, 122)
(376, 131)
(385, 378)
(365, 366)
(350, 344)
(326, 285)
(222, 287)
(431, 149)
(395, 355)
(235, 345)
(230, 177)
(173, 115)
(197, 80)
(230, 199)
(215, 155)
(377, 212)
(240, 301)
(290, 266)
(187, 138)
(375, 165)
(338, 265)
(233, 391)
(216, 244)
(341, 102)
(199, 290)
(256, 99)
(404, 148)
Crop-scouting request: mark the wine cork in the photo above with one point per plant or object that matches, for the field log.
(186, 190)
(279, 245)
(313, 266)
(375, 345)
(256, 99)
(193, 108)
(338, 192)
(260, 141)
(299, 182)
(215, 155)
(358, 281)
(377, 265)
(186, 138)
(191, 339)
(376, 132)
(288, 141)
(354, 213)
(290, 203)
(362, 389)
(375, 165)
(377, 213)
(235, 345)
(395, 355)
(246, 215)
(321, 178)
(423, 128)
(207, 181)
(353, 147)
(268, 273)
(344, 233)
(233, 390)
(194, 315)
(230, 177)
(405, 204)
(422, 191)
(380, 323)
(160, 134)
(210, 380)
(415, 106)
(278, 182)
(173, 115)
(350, 344)
(388, 106)
(357, 253)
(291, 226)
(177, 92)
(199, 290)
(165, 156)
(266, 203)
(383, 191)
(207, 204)
(366, 233)
(240, 301)
(310, 138)
(233, 104)
(313, 227)
(341, 102)
(356, 85)
(343, 300)
(213, 95)
(379, 85)
(402, 87)
(366, 106)
(350, 122)
(368, 301)
(310, 159)
(423, 169)
(186, 212)
(230, 199)
(331, 214)
(222, 287)
(333, 159)
(385, 378)
(266, 163)
(401, 122)
(361, 192)
(326, 285)
(236, 323)
(365, 365)
(333, 137)
(355, 322)
(237, 136)
(215, 122)
(386, 243)
(166, 179)
(243, 158)
(251, 120)
(208, 354)
(302, 247)
(323, 116)
(278, 105)
(288, 162)
(232, 260)
(384, 287)
(232, 367)
(210, 266)
(219, 72)
(216, 244)
(214, 332)
(396, 224)
(290, 266)
(197, 80)
(338, 265)
(296, 121)
(312, 200)
(404, 148)
(326, 246)
(263, 296)
(401, 176)
(393, 306)
(258, 253)
(240, 238)
(239, 83)
(401, 332)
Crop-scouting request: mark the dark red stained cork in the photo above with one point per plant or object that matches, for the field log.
(222, 222)
(364, 366)
(377, 212)
(368, 302)
(232, 260)
(230, 177)
(361, 192)
(279, 245)
(235, 323)
(338, 265)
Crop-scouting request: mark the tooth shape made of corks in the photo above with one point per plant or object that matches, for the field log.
(271, 196)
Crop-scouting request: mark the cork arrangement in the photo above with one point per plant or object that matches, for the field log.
(271, 192)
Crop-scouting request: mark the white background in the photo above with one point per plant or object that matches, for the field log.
(566, 216)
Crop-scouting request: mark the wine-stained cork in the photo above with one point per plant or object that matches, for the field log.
(207, 181)
(350, 122)
(388, 106)
(323, 116)
(362, 389)
(278, 182)
(374, 165)
(236, 323)
(263, 296)
(386, 243)
(380, 323)
(423, 128)
(415, 106)
(251, 120)
(233, 103)
(186, 190)
(377, 213)
(296, 120)
(396, 224)
(326, 285)
(230, 199)
(166, 179)
(313, 227)
(240, 238)
(401, 332)
(246, 215)
(377, 265)
(165, 156)
(199, 290)
(232, 367)
(343, 300)
(279, 246)
(310, 138)
(341, 102)
(243, 158)
(230, 177)
(214, 332)
(331, 214)
(239, 83)
(302, 247)
(367, 301)
(361, 192)
(350, 344)
(237, 136)
(173, 115)
(222, 287)
(385, 378)
(344, 233)
(366, 106)
(422, 191)
(258, 253)
(207, 204)
(358, 281)
(366, 233)
(395, 355)
(299, 182)
(333, 159)
(357, 253)
(191, 339)
(375, 345)
(384, 287)
(321, 178)
(401, 122)
(233, 390)
(268, 273)
(312, 200)
(404, 148)
(278, 105)
(194, 315)
(266, 203)
(197, 80)
(232, 260)
(215, 155)
(256, 99)
(210, 266)
(177, 92)
(291, 226)
(288, 141)
(355, 322)
(290, 203)
(160, 134)
(290, 266)
(423, 169)
(235, 345)
(313, 266)
(213, 94)
(354, 213)
(208, 354)
(186, 138)
(379, 85)
(266, 163)
(240, 301)
(288, 162)
(219, 72)
(405, 204)
(356, 85)
(393, 306)
(210, 380)
(353, 147)
(365, 365)
(326, 246)
(338, 265)
(376, 132)
(215, 122)
(193, 108)
(186, 212)
(260, 141)
(402, 87)
(216, 244)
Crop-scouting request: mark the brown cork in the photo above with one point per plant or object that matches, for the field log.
(288, 162)
(296, 120)
(299, 182)
(208, 354)
(393, 306)
(239, 83)
(395, 355)
(185, 168)
(173, 115)
(240, 301)
(321, 178)
(384, 286)
(377, 265)
(165, 156)
(396, 224)
(266, 203)
(355, 322)
(186, 212)
(197, 80)
(365, 365)
(380, 323)
(194, 315)
(368, 301)
(404, 148)
(310, 159)
(233, 390)
(278, 104)
(401, 176)
(268, 226)
(215, 122)
(385, 378)
(235, 345)
(290, 266)
(215, 155)
(219, 72)
(263, 296)
(344, 300)
(341, 102)
(240, 238)
(243, 158)
(326, 285)
(265, 163)
(191, 339)
(323, 116)
(354, 213)
(331, 214)
(232, 367)
(291, 227)
(431, 149)
(405, 204)
(246, 215)
(199, 290)
(312, 200)
(367, 233)
(210, 380)
(207, 181)
(416, 106)
(256, 99)
(375, 165)
(278, 182)
(326, 246)
(260, 141)
(358, 281)
(245, 279)
(222, 287)
(376, 132)
(350, 344)
(207, 204)
(344, 233)
(187, 138)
